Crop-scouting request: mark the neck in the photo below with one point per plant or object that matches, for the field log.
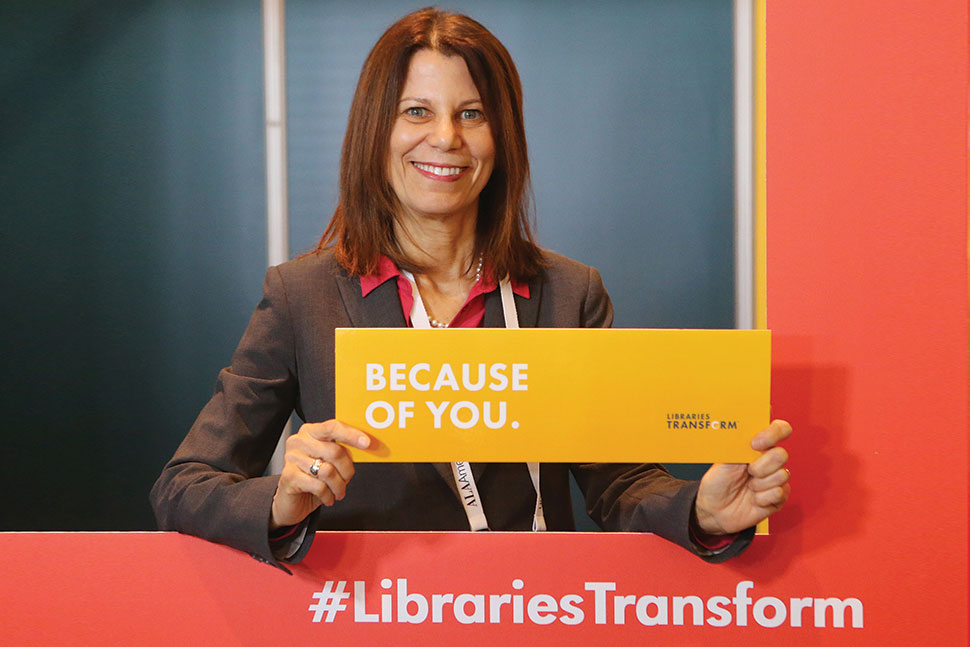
(443, 246)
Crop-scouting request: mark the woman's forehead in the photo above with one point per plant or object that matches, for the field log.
(433, 76)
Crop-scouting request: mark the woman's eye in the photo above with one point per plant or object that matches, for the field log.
(471, 115)
(416, 111)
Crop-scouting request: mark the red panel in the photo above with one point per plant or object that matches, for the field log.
(867, 297)
(164, 589)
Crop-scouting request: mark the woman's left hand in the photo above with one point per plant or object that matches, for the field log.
(733, 497)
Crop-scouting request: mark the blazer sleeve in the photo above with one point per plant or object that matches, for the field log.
(213, 487)
(640, 497)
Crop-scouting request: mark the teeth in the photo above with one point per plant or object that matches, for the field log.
(438, 170)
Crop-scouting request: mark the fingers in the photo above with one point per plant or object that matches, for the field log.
(334, 470)
(328, 474)
(774, 497)
(304, 450)
(769, 478)
(295, 481)
(336, 431)
(316, 448)
(776, 432)
(771, 461)
(773, 480)
(327, 486)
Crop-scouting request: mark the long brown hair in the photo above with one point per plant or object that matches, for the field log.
(362, 226)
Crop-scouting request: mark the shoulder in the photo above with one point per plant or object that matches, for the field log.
(560, 263)
(572, 294)
(312, 265)
(313, 272)
(564, 272)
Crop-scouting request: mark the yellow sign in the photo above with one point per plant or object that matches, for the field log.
(554, 395)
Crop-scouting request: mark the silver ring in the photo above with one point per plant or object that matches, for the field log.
(315, 468)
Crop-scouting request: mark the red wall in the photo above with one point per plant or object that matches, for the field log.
(867, 297)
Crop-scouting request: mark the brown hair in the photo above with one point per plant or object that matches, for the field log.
(362, 226)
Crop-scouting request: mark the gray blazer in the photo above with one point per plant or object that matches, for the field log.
(214, 487)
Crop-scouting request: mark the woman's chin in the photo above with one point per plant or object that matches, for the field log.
(441, 211)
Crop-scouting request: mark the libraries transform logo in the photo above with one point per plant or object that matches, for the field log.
(599, 603)
(680, 420)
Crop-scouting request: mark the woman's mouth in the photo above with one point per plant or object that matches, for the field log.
(441, 173)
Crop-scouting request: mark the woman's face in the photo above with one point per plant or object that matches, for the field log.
(441, 149)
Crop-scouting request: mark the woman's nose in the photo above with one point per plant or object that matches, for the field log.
(445, 135)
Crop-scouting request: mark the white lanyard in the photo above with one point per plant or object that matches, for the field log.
(462, 471)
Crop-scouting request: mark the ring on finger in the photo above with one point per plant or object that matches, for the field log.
(315, 468)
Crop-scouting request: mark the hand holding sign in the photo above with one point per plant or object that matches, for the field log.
(735, 496)
(316, 470)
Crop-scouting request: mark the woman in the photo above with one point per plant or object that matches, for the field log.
(433, 189)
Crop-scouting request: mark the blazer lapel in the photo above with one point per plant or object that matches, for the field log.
(527, 309)
(381, 308)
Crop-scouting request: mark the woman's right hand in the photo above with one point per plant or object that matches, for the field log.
(299, 492)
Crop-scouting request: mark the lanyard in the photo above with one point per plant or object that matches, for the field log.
(461, 470)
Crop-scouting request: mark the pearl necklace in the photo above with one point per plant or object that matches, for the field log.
(478, 276)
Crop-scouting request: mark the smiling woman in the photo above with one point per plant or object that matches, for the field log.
(441, 151)
(437, 89)
(431, 231)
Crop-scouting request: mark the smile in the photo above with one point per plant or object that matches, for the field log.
(442, 172)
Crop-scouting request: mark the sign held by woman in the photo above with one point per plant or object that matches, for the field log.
(564, 395)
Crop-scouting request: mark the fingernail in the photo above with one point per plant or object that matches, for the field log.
(363, 442)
